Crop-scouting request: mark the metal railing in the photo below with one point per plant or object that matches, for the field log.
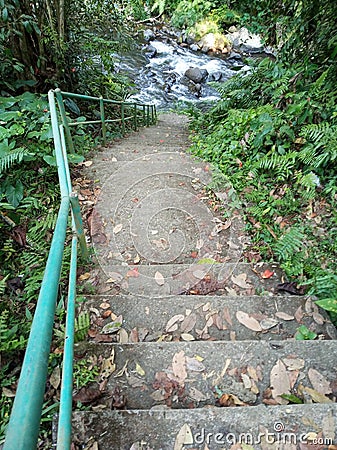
(23, 428)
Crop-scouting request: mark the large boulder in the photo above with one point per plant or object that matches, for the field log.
(244, 41)
(196, 75)
(214, 42)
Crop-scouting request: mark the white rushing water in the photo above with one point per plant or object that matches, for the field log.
(160, 79)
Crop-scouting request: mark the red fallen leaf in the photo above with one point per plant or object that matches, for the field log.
(194, 254)
(135, 200)
(133, 273)
(267, 274)
(161, 141)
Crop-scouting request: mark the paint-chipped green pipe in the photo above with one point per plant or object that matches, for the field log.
(66, 399)
(23, 428)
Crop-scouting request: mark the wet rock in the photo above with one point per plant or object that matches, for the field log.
(216, 76)
(194, 47)
(148, 35)
(196, 75)
(245, 42)
(190, 39)
(150, 51)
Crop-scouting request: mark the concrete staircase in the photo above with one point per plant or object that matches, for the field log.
(195, 346)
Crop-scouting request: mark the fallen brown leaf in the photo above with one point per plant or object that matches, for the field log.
(248, 321)
(279, 382)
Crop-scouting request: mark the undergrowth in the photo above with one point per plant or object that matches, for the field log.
(273, 133)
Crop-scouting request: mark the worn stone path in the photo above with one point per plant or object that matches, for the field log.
(196, 346)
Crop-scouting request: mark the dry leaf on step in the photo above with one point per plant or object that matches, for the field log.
(187, 337)
(184, 437)
(123, 337)
(159, 278)
(140, 370)
(171, 324)
(293, 363)
(316, 396)
(284, 316)
(55, 377)
(118, 228)
(248, 321)
(197, 395)
(179, 367)
(108, 366)
(279, 382)
(267, 324)
(319, 383)
(188, 323)
(241, 281)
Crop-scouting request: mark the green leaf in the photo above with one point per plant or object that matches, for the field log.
(14, 194)
(5, 14)
(51, 160)
(329, 304)
(292, 398)
(304, 334)
(73, 158)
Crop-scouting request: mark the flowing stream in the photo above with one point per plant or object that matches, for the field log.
(160, 79)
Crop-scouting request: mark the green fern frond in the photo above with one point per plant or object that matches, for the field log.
(290, 243)
(82, 325)
(282, 166)
(10, 158)
(322, 139)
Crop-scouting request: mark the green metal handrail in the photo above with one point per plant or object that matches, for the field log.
(23, 428)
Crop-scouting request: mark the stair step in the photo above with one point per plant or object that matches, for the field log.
(167, 215)
(288, 428)
(130, 167)
(133, 151)
(208, 318)
(196, 374)
(158, 280)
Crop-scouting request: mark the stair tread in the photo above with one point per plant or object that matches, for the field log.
(228, 278)
(192, 374)
(191, 315)
(213, 428)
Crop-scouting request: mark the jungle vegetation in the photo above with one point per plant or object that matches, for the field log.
(273, 134)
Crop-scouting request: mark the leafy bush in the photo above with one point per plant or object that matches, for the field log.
(273, 134)
(189, 13)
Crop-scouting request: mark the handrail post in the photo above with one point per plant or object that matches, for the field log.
(61, 167)
(59, 99)
(123, 118)
(101, 107)
(135, 116)
(144, 116)
(75, 207)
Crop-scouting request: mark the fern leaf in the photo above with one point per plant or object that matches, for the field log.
(290, 243)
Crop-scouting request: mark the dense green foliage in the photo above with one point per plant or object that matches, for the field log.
(274, 135)
(69, 44)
